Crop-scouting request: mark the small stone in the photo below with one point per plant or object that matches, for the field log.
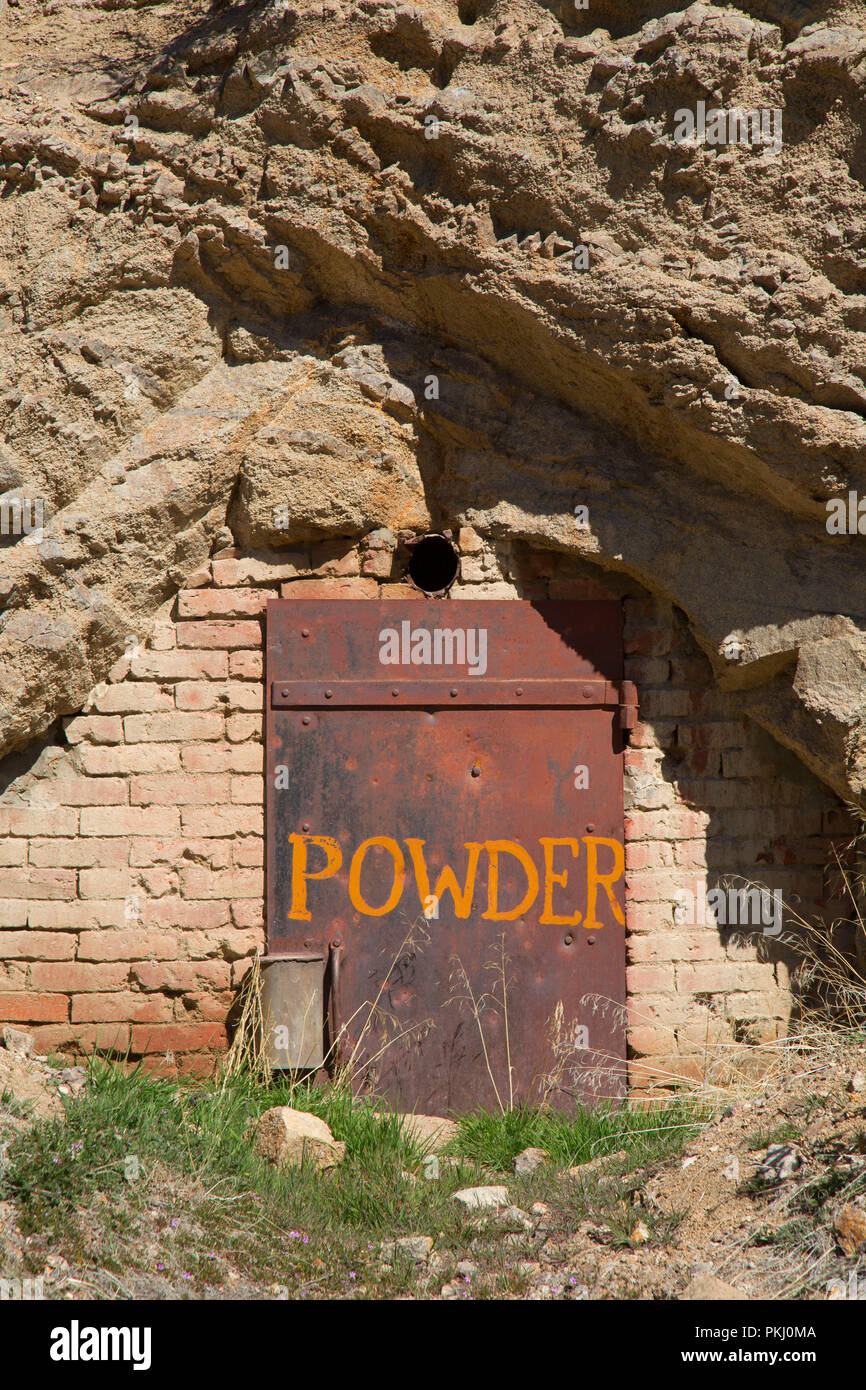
(416, 1248)
(17, 1041)
(639, 1234)
(479, 1198)
(849, 1223)
(467, 1267)
(529, 1161)
(539, 1209)
(706, 1288)
(518, 1217)
(780, 1161)
(857, 1083)
(595, 1165)
(528, 1268)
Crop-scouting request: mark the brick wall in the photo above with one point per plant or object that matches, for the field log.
(131, 847)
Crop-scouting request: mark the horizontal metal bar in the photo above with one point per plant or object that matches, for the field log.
(585, 694)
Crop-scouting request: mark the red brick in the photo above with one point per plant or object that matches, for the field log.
(206, 915)
(248, 852)
(76, 915)
(37, 883)
(224, 636)
(197, 695)
(649, 979)
(707, 979)
(36, 945)
(249, 791)
(127, 945)
(330, 588)
(262, 567)
(248, 914)
(105, 883)
(181, 666)
(15, 820)
(130, 820)
(241, 727)
(181, 790)
(246, 665)
(78, 854)
(95, 728)
(221, 603)
(34, 1008)
(120, 1007)
(182, 976)
(177, 1037)
(132, 697)
(248, 757)
(207, 757)
(144, 854)
(648, 854)
(91, 791)
(131, 758)
(173, 728)
(223, 820)
(227, 883)
(75, 976)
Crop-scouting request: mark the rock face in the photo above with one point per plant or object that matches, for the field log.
(273, 275)
(286, 1137)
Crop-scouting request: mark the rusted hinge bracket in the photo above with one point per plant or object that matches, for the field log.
(591, 693)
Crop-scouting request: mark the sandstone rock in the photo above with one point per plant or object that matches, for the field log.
(639, 1234)
(431, 1132)
(286, 1137)
(14, 1040)
(706, 1288)
(482, 1198)
(595, 1166)
(529, 1161)
(624, 365)
(415, 1248)
(849, 1223)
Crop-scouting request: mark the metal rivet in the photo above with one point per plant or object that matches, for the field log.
(305, 632)
(587, 692)
(476, 771)
(306, 719)
(328, 694)
(589, 829)
(567, 940)
(395, 692)
(285, 694)
(308, 945)
(590, 941)
(453, 694)
(519, 690)
(306, 825)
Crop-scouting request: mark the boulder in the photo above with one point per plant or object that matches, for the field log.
(285, 1137)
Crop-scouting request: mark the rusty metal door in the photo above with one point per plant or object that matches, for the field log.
(444, 833)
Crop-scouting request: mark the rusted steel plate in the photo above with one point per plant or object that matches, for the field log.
(462, 863)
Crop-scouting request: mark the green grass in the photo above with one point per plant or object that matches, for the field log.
(152, 1189)
(784, 1133)
(655, 1132)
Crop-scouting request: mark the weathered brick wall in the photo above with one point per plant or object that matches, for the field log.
(131, 852)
